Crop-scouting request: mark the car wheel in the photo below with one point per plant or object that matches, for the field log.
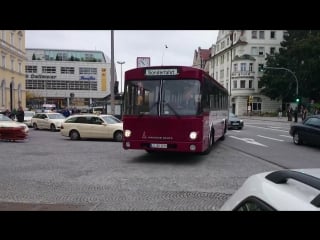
(35, 126)
(53, 128)
(296, 138)
(74, 135)
(118, 136)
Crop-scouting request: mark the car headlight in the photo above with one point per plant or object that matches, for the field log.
(193, 135)
(127, 133)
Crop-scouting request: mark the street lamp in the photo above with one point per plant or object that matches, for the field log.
(165, 47)
(288, 70)
(119, 62)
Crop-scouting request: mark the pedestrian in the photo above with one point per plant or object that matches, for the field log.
(296, 114)
(279, 113)
(20, 114)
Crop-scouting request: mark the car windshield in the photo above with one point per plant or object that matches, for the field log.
(110, 119)
(232, 115)
(4, 118)
(56, 116)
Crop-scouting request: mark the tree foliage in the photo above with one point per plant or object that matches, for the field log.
(300, 53)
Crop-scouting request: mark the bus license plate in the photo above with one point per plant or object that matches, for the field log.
(157, 145)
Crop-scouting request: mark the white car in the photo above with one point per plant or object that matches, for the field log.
(283, 190)
(50, 121)
(92, 126)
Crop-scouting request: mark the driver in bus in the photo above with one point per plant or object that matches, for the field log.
(188, 98)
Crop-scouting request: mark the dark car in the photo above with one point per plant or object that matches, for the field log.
(306, 132)
(234, 122)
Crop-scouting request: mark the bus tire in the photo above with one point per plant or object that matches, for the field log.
(210, 144)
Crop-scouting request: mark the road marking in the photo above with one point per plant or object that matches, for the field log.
(285, 136)
(250, 140)
(268, 128)
(280, 140)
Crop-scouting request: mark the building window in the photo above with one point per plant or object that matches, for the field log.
(250, 83)
(272, 50)
(31, 69)
(254, 51)
(222, 45)
(273, 35)
(20, 67)
(216, 75)
(254, 34)
(261, 51)
(243, 67)
(20, 43)
(235, 67)
(227, 56)
(261, 34)
(221, 59)
(12, 64)
(67, 70)
(221, 74)
(242, 84)
(228, 41)
(3, 61)
(47, 69)
(235, 84)
(87, 70)
(250, 67)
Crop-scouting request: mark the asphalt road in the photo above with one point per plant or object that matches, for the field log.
(50, 172)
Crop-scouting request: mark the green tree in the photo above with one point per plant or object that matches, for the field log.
(299, 52)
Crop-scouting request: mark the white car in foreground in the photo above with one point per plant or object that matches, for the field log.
(283, 190)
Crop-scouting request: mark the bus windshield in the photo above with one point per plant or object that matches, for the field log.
(176, 97)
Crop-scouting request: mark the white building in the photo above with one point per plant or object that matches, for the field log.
(235, 64)
(67, 77)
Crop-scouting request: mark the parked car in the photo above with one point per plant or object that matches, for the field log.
(283, 190)
(234, 122)
(50, 121)
(92, 126)
(12, 130)
(307, 132)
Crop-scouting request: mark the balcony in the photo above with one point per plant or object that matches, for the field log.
(243, 74)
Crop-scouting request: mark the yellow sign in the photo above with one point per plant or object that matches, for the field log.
(103, 79)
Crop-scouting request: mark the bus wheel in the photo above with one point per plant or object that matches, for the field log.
(210, 144)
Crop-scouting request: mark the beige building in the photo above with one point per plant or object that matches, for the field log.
(12, 69)
(237, 57)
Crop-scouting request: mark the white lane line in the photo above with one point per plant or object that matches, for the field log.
(280, 140)
(285, 136)
(268, 128)
(249, 140)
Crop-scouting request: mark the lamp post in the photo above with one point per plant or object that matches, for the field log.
(288, 70)
(165, 47)
(119, 62)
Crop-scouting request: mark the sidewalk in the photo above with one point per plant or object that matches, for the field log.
(273, 119)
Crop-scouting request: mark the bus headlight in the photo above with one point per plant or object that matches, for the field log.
(193, 135)
(127, 133)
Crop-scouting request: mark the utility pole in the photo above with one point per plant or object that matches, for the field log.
(112, 74)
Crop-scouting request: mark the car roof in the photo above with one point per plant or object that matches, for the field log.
(296, 189)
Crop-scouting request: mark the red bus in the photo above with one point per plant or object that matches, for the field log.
(173, 108)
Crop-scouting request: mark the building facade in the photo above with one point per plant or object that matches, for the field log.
(12, 75)
(239, 54)
(66, 78)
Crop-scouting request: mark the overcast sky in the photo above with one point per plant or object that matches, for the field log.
(128, 45)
